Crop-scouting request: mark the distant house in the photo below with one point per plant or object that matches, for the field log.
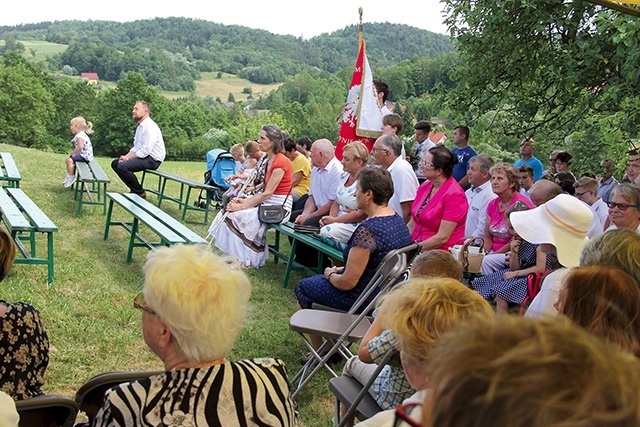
(92, 78)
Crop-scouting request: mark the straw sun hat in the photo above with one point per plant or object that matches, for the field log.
(562, 222)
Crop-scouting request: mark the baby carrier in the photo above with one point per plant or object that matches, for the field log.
(220, 164)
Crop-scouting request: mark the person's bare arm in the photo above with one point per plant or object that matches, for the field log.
(356, 263)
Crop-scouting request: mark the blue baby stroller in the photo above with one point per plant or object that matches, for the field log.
(220, 164)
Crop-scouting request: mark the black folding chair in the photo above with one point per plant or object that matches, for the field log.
(89, 398)
(49, 410)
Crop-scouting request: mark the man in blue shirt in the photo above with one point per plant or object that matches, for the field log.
(526, 158)
(464, 152)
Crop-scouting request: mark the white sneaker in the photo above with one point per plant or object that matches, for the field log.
(69, 181)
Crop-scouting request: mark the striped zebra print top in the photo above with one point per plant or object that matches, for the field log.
(251, 392)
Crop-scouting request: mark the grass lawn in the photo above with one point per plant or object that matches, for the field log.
(88, 310)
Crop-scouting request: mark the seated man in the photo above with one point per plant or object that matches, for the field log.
(479, 195)
(325, 178)
(148, 150)
(387, 151)
(526, 180)
(587, 191)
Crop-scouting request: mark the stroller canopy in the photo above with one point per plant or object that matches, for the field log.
(221, 164)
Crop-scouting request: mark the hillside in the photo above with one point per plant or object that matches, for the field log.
(171, 52)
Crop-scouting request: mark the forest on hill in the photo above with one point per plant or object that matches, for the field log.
(567, 75)
(171, 52)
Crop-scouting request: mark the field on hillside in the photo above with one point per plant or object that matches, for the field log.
(208, 85)
(42, 49)
(211, 85)
(88, 311)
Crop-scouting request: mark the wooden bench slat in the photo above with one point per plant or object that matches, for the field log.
(167, 219)
(39, 218)
(11, 214)
(98, 172)
(182, 180)
(10, 166)
(145, 217)
(84, 172)
(309, 240)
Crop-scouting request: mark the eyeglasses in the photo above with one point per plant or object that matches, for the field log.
(582, 194)
(402, 414)
(138, 302)
(621, 206)
(374, 149)
(426, 164)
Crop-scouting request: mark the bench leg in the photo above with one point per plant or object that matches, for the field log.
(185, 206)
(132, 240)
(50, 255)
(162, 184)
(277, 245)
(292, 256)
(108, 223)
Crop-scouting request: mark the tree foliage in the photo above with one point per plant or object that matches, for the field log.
(564, 72)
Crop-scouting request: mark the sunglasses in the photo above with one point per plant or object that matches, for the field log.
(402, 415)
(138, 302)
(621, 206)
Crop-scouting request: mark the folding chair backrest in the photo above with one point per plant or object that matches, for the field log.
(391, 268)
(47, 411)
(89, 397)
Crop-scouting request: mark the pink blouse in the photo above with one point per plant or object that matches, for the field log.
(449, 203)
(498, 224)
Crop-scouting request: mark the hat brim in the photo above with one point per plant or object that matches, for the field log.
(534, 226)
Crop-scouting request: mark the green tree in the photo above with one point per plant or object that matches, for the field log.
(115, 124)
(547, 68)
(26, 106)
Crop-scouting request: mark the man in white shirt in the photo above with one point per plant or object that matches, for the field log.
(148, 150)
(479, 195)
(325, 178)
(587, 191)
(423, 142)
(387, 152)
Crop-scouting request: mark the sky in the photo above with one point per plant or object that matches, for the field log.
(298, 18)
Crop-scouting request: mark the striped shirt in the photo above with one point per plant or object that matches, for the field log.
(246, 393)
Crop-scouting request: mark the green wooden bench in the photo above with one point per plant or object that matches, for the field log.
(168, 229)
(323, 248)
(90, 180)
(9, 171)
(23, 218)
(186, 185)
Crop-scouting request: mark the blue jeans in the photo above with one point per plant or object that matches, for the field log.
(126, 169)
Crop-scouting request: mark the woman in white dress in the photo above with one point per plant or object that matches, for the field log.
(237, 231)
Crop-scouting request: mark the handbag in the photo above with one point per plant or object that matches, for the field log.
(469, 254)
(272, 214)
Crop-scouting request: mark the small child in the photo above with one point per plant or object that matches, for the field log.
(237, 183)
(510, 285)
(237, 151)
(82, 149)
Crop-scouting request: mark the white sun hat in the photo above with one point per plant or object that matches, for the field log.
(562, 222)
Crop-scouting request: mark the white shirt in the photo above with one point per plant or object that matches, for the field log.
(601, 210)
(8, 413)
(542, 304)
(324, 182)
(405, 184)
(387, 418)
(148, 141)
(478, 198)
